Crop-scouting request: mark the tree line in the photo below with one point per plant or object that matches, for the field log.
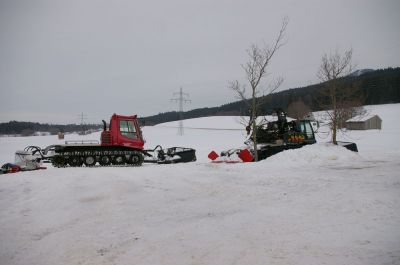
(30, 128)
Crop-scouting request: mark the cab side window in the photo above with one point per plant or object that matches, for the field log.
(307, 130)
(128, 129)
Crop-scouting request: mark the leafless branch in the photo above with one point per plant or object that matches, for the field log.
(255, 70)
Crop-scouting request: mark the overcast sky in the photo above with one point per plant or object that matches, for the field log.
(62, 58)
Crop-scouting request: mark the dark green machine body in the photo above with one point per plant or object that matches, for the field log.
(280, 135)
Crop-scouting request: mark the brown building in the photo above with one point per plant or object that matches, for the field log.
(367, 122)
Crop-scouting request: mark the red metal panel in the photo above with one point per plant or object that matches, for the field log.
(213, 155)
(246, 156)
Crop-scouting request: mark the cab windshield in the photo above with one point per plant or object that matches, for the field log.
(128, 129)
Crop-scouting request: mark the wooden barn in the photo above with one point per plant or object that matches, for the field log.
(364, 122)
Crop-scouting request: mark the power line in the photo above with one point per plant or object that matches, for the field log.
(181, 98)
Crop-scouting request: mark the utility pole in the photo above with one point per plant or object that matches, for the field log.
(181, 98)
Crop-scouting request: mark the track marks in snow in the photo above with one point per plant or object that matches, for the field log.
(92, 199)
(54, 229)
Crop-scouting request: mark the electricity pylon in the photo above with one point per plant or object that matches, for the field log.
(181, 98)
(83, 117)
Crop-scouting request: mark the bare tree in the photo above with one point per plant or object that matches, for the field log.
(339, 99)
(298, 109)
(256, 70)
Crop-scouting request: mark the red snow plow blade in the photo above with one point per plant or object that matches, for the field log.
(213, 155)
(246, 156)
(231, 156)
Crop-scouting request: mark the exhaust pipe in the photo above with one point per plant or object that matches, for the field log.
(104, 125)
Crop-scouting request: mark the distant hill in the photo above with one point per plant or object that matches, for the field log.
(377, 87)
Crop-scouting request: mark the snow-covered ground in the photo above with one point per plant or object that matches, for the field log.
(316, 205)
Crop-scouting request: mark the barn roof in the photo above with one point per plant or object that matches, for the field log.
(362, 118)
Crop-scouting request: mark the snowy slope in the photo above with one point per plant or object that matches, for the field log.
(371, 141)
(215, 122)
(320, 204)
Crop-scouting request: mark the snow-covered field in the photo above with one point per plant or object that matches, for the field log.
(316, 205)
